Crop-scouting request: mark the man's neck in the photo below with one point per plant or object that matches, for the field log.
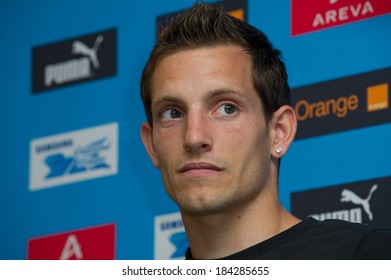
(223, 234)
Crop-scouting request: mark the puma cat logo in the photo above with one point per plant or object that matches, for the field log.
(79, 47)
(349, 196)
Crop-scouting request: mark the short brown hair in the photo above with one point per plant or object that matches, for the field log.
(204, 25)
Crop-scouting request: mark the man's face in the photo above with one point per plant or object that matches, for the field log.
(209, 137)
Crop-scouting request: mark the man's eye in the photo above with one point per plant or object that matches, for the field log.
(170, 114)
(226, 109)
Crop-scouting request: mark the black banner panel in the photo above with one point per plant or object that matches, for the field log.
(365, 202)
(75, 60)
(347, 103)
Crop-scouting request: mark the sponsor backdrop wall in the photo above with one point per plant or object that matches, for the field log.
(75, 181)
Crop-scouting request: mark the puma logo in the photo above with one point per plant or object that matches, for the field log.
(349, 196)
(79, 47)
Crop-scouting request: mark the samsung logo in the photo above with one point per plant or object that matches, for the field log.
(171, 225)
(73, 156)
(54, 146)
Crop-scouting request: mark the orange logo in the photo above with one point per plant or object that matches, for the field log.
(239, 13)
(377, 97)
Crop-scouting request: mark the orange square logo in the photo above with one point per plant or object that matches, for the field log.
(239, 13)
(377, 97)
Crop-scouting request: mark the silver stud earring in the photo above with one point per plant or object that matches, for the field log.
(278, 150)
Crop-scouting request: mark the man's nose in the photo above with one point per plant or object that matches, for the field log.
(198, 134)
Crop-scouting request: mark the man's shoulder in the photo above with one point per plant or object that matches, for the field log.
(321, 240)
(364, 241)
(376, 244)
(341, 228)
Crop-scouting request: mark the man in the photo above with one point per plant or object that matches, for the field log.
(216, 97)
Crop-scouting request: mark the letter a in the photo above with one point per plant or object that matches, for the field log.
(71, 247)
(367, 8)
(318, 20)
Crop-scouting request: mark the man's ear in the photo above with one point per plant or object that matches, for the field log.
(146, 137)
(283, 130)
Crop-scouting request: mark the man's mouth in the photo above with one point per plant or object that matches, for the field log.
(200, 168)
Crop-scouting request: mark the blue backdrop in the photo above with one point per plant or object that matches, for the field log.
(133, 196)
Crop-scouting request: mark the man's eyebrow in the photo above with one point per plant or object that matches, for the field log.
(166, 99)
(226, 91)
(209, 95)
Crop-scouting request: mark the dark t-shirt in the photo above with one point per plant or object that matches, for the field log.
(320, 240)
